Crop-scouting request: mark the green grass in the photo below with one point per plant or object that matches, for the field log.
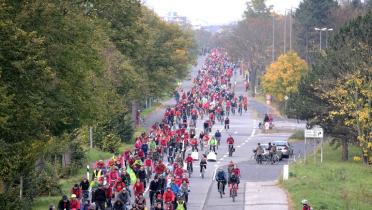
(298, 135)
(95, 154)
(332, 185)
(148, 111)
(42, 203)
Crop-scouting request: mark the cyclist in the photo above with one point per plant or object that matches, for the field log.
(259, 151)
(180, 204)
(201, 136)
(168, 196)
(194, 144)
(236, 171)
(123, 196)
(74, 203)
(140, 202)
(218, 137)
(203, 163)
(189, 161)
(305, 205)
(221, 177)
(233, 180)
(230, 167)
(76, 190)
(230, 143)
(64, 203)
(240, 108)
(272, 152)
(212, 144)
(227, 123)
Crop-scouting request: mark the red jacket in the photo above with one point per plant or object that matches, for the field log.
(76, 191)
(168, 196)
(74, 204)
(178, 172)
(230, 140)
(138, 188)
(189, 159)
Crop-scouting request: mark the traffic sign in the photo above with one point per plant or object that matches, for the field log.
(314, 133)
(318, 132)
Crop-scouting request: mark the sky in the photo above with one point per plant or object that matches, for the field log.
(212, 12)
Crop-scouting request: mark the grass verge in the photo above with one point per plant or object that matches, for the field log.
(298, 135)
(333, 184)
(148, 111)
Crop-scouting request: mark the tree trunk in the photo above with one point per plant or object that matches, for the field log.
(345, 150)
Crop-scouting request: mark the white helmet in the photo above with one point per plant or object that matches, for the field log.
(304, 201)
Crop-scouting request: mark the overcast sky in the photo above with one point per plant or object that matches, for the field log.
(211, 12)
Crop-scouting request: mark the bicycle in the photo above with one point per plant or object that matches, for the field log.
(231, 150)
(148, 174)
(220, 188)
(274, 159)
(234, 192)
(240, 111)
(168, 206)
(189, 169)
(202, 171)
(201, 144)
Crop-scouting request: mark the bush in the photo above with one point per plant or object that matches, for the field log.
(47, 182)
(111, 143)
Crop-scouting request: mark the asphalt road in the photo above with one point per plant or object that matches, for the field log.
(244, 129)
(204, 194)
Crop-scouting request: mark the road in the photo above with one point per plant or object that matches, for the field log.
(244, 129)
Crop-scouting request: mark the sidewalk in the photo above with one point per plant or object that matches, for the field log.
(264, 195)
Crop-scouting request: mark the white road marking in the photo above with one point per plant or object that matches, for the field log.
(253, 132)
(225, 156)
(238, 146)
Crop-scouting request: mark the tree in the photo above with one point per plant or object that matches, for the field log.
(310, 14)
(257, 8)
(282, 76)
(337, 89)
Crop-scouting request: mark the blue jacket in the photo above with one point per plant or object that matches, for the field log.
(221, 176)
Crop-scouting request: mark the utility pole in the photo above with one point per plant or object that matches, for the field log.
(91, 137)
(290, 31)
(285, 31)
(273, 47)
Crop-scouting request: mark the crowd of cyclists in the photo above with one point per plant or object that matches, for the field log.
(160, 160)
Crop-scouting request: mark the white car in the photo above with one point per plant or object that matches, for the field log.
(284, 147)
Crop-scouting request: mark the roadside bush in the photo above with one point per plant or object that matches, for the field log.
(46, 181)
(110, 143)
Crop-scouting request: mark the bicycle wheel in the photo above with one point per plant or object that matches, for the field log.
(220, 189)
(233, 194)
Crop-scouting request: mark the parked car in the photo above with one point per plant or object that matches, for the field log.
(284, 147)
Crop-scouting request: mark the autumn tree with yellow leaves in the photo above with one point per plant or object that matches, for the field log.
(283, 75)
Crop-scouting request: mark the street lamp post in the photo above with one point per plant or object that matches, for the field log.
(328, 29)
(320, 36)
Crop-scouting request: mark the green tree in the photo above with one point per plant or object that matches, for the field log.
(311, 14)
(336, 91)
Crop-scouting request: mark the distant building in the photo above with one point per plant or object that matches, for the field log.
(173, 17)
